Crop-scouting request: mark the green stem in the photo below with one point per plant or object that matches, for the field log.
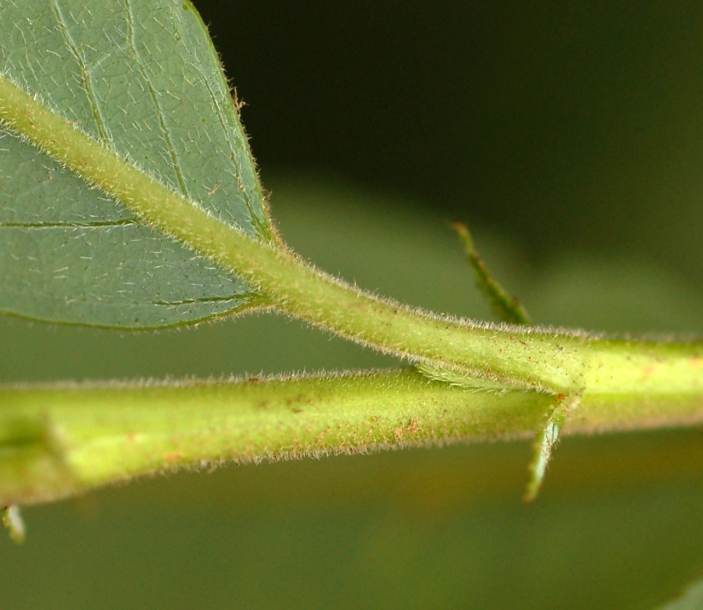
(59, 440)
(56, 441)
(543, 359)
(63, 439)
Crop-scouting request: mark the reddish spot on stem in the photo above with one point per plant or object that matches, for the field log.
(647, 371)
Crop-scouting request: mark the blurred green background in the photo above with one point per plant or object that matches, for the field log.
(570, 135)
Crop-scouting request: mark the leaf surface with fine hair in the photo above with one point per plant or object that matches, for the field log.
(144, 80)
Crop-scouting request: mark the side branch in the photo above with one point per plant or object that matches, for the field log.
(542, 359)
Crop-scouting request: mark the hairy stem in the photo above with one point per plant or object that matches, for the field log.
(543, 359)
(62, 439)
(59, 440)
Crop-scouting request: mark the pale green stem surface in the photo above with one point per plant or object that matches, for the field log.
(63, 439)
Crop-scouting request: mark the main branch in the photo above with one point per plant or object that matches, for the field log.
(58, 440)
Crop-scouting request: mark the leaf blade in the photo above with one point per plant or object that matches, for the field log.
(143, 79)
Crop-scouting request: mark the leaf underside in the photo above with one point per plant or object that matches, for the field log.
(144, 79)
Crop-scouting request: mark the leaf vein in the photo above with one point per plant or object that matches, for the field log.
(68, 225)
(228, 131)
(233, 297)
(175, 161)
(86, 77)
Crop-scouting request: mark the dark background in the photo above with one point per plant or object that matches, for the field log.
(562, 124)
(570, 135)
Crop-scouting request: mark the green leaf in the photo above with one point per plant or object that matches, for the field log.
(506, 307)
(143, 78)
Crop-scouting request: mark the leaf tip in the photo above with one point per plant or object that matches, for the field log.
(506, 307)
(544, 444)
